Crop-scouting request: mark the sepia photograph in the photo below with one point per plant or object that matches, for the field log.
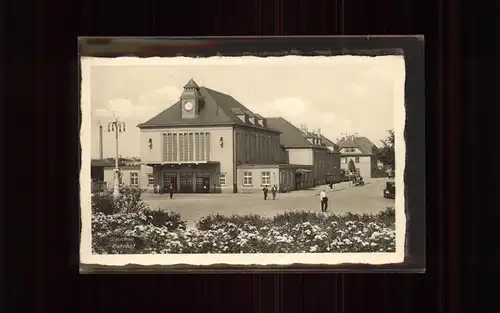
(242, 160)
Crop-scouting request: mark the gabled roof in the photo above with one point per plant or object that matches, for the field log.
(218, 109)
(101, 163)
(191, 84)
(291, 136)
(327, 141)
(362, 143)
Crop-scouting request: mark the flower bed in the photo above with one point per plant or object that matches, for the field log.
(128, 226)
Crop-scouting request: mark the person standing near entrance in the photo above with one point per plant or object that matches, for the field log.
(265, 191)
(171, 191)
(273, 191)
(324, 201)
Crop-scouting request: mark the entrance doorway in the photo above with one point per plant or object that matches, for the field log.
(170, 179)
(186, 183)
(298, 181)
(203, 183)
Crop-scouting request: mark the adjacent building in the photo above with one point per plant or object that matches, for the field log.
(131, 174)
(363, 153)
(102, 175)
(311, 149)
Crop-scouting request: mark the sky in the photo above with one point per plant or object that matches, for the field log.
(341, 94)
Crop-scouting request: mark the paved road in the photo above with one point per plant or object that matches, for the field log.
(366, 199)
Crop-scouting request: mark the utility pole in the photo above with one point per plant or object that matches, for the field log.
(117, 127)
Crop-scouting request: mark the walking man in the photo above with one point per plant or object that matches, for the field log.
(265, 191)
(171, 191)
(273, 191)
(324, 201)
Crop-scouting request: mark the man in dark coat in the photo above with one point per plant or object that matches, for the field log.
(274, 190)
(265, 191)
(171, 191)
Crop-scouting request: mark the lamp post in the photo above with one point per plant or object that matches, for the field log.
(117, 127)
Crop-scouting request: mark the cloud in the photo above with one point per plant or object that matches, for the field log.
(103, 113)
(299, 111)
(168, 92)
(144, 107)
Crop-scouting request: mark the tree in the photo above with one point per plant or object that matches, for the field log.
(351, 166)
(386, 153)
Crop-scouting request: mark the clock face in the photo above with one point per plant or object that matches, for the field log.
(188, 106)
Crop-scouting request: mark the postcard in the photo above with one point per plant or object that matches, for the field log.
(242, 160)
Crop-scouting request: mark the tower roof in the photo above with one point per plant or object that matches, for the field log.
(191, 84)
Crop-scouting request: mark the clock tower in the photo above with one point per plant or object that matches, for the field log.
(190, 100)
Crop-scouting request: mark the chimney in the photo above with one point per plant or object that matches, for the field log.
(100, 142)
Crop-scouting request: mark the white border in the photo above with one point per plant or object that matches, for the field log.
(86, 256)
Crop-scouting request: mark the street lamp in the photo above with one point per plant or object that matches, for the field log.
(117, 127)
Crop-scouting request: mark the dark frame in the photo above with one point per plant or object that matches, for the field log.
(412, 47)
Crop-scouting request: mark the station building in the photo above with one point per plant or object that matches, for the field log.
(208, 142)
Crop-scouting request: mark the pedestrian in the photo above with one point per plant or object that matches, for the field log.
(324, 204)
(171, 191)
(273, 191)
(330, 183)
(265, 191)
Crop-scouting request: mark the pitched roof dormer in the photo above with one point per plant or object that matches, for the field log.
(250, 117)
(240, 114)
(259, 120)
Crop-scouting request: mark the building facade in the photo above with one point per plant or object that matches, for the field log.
(203, 143)
(308, 149)
(362, 152)
(131, 175)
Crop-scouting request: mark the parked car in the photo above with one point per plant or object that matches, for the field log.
(357, 181)
(390, 190)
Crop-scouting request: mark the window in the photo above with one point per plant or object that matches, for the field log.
(179, 147)
(182, 144)
(222, 179)
(207, 146)
(200, 146)
(134, 179)
(344, 160)
(169, 148)
(247, 179)
(190, 146)
(266, 178)
(356, 159)
(151, 180)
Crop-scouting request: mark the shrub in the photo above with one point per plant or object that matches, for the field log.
(146, 231)
(103, 202)
(212, 220)
(112, 233)
(130, 200)
(297, 217)
(171, 220)
(387, 217)
(132, 232)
